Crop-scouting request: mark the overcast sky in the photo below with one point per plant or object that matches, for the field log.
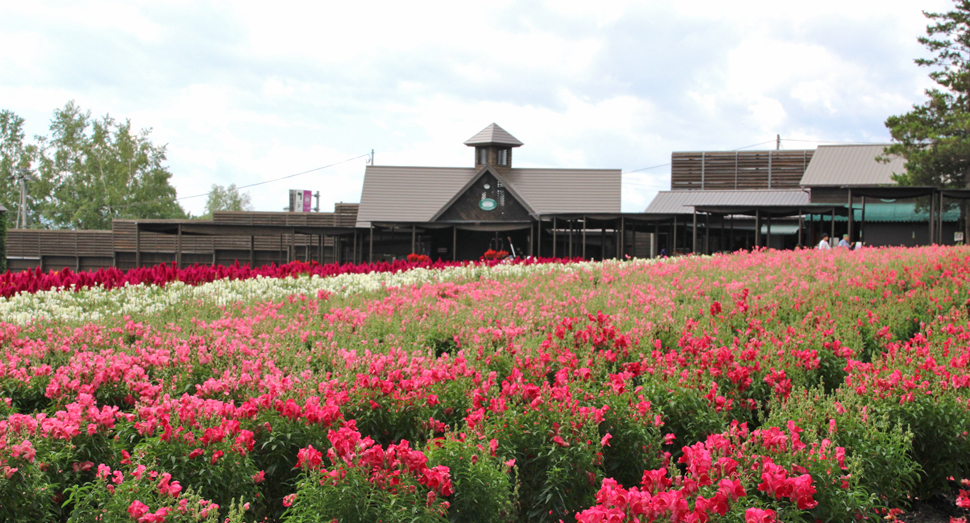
(244, 92)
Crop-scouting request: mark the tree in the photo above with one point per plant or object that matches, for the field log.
(934, 137)
(226, 199)
(15, 155)
(89, 171)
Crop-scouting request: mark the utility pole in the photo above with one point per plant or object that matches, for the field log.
(777, 142)
(372, 157)
(23, 176)
(316, 196)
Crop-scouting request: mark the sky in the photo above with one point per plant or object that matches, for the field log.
(247, 92)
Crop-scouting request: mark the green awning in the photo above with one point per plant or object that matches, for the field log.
(780, 229)
(893, 212)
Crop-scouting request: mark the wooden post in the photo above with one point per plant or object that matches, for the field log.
(694, 245)
(801, 224)
(768, 231)
(414, 236)
(757, 228)
(862, 225)
(252, 251)
(584, 236)
(832, 236)
(531, 238)
(673, 242)
(571, 226)
(370, 258)
(554, 232)
(851, 217)
(720, 242)
(621, 250)
(178, 247)
(655, 245)
(707, 233)
(940, 215)
(538, 252)
(454, 243)
(137, 245)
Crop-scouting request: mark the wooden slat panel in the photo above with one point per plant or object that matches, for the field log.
(726, 170)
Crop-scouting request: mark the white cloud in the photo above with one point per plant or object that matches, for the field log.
(245, 92)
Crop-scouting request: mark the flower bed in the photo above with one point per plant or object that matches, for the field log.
(32, 281)
(788, 386)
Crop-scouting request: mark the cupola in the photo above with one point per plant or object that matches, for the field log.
(493, 146)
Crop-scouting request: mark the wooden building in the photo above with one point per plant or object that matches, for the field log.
(785, 199)
(458, 213)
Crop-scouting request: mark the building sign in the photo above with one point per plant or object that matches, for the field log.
(958, 236)
(487, 204)
(300, 201)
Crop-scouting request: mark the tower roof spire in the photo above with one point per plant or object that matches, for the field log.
(493, 135)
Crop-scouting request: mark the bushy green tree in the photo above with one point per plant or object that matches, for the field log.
(934, 137)
(87, 172)
(226, 199)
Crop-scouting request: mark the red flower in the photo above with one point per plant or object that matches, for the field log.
(137, 509)
(308, 458)
(757, 515)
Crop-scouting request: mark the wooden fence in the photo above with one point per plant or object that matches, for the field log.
(91, 250)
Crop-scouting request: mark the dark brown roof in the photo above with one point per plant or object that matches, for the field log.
(493, 135)
(416, 194)
(683, 202)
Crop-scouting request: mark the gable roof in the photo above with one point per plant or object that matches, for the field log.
(417, 194)
(837, 165)
(493, 135)
(683, 202)
(472, 180)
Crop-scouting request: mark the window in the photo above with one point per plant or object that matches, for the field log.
(482, 156)
(503, 156)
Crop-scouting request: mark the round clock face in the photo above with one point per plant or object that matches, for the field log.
(487, 204)
(487, 186)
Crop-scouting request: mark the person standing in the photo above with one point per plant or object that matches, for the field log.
(844, 242)
(824, 244)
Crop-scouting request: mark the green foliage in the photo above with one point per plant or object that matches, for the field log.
(88, 171)
(634, 443)
(104, 500)
(226, 199)
(933, 136)
(555, 480)
(354, 498)
(220, 474)
(482, 485)
(881, 467)
(15, 155)
(940, 445)
(3, 243)
(26, 494)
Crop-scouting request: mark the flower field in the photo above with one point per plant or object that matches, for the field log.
(757, 387)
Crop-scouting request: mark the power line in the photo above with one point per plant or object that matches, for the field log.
(136, 204)
(753, 145)
(646, 168)
(282, 177)
(832, 141)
